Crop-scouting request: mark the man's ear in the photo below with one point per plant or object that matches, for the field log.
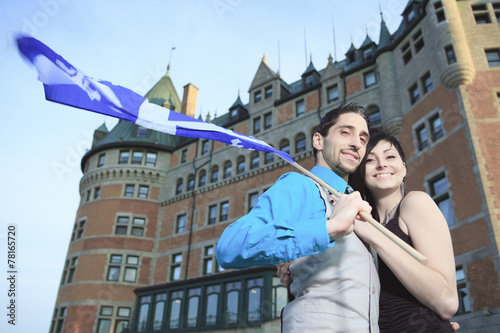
(317, 141)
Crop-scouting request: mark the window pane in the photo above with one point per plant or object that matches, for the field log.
(120, 326)
(104, 326)
(137, 231)
(124, 155)
(113, 273)
(333, 94)
(175, 313)
(132, 260)
(137, 157)
(231, 309)
(107, 311)
(121, 230)
(211, 314)
(445, 207)
(176, 273)
(116, 259)
(151, 159)
(139, 221)
(143, 191)
(193, 311)
(224, 211)
(158, 316)
(439, 186)
(124, 312)
(301, 108)
(143, 317)
(254, 296)
(370, 79)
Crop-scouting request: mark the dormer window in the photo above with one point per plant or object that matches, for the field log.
(367, 54)
(234, 114)
(268, 91)
(411, 15)
(257, 97)
(141, 132)
(309, 80)
(350, 58)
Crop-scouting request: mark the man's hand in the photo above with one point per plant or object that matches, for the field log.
(347, 209)
(283, 273)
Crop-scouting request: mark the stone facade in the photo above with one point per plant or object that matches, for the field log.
(435, 83)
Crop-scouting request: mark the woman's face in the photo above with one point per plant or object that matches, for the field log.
(384, 169)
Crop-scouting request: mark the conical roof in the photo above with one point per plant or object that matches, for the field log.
(163, 93)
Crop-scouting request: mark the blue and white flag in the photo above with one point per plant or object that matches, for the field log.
(65, 84)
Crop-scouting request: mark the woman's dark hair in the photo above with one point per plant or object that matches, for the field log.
(333, 115)
(357, 179)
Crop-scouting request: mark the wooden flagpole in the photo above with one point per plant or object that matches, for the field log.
(368, 218)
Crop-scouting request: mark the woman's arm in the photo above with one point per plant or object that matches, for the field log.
(434, 285)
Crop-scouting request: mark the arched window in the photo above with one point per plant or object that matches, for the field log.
(300, 143)
(285, 146)
(178, 188)
(202, 178)
(215, 174)
(241, 165)
(227, 169)
(255, 160)
(190, 183)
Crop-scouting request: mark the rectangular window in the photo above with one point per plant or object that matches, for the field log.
(138, 226)
(269, 157)
(224, 211)
(257, 97)
(129, 190)
(131, 267)
(184, 155)
(496, 9)
(181, 223)
(209, 261)
(414, 94)
(151, 159)
(450, 54)
(422, 137)
(426, 81)
(268, 91)
(406, 52)
(100, 161)
(69, 270)
(268, 120)
(370, 79)
(175, 267)
(124, 155)
(463, 294)
(436, 127)
(143, 191)
(438, 7)
(212, 214)
(300, 108)
(333, 94)
(418, 41)
(78, 230)
(252, 200)
(137, 157)
(481, 14)
(256, 125)
(115, 261)
(439, 192)
(142, 132)
(493, 57)
(97, 192)
(204, 147)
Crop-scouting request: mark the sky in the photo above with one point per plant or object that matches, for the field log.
(217, 45)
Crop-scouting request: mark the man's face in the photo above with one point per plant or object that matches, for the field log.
(343, 148)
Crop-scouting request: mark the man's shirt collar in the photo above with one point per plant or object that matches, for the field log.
(330, 177)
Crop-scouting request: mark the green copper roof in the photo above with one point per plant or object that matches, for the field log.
(164, 93)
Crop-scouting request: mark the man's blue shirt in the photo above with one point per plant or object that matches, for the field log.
(287, 223)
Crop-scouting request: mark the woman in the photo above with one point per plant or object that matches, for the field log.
(414, 297)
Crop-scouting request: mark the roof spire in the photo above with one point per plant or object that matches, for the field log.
(169, 58)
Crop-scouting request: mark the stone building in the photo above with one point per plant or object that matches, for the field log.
(142, 252)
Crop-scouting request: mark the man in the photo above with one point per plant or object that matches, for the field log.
(335, 283)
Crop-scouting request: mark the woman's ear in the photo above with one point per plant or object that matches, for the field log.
(406, 169)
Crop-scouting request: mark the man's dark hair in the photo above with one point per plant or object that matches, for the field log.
(333, 115)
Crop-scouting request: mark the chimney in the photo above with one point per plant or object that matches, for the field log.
(189, 98)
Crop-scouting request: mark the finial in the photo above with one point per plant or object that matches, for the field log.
(169, 58)
(264, 59)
